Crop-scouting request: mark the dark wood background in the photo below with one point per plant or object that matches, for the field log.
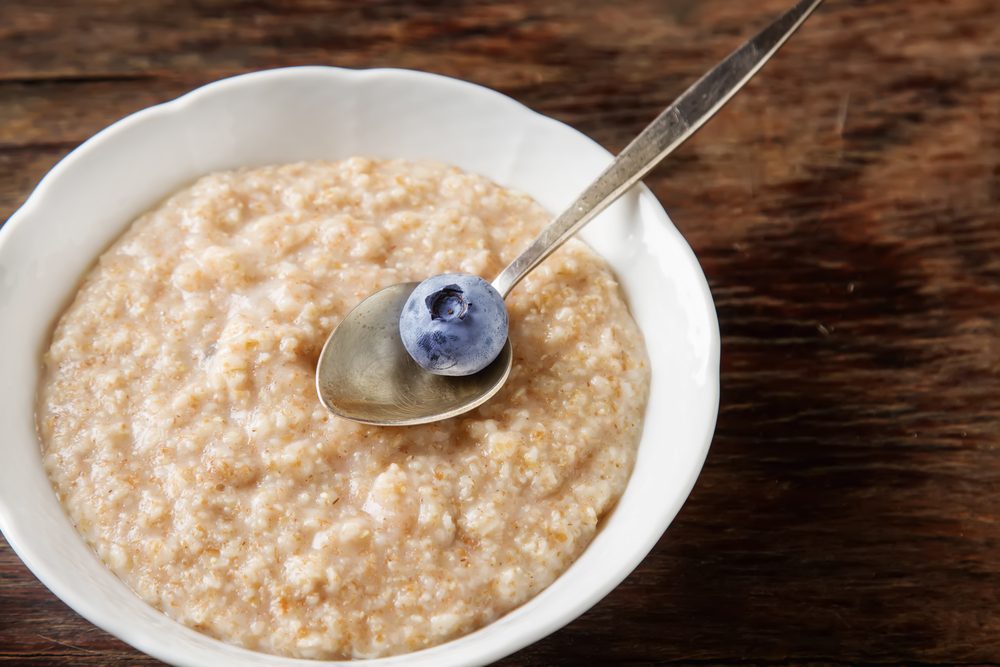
(846, 209)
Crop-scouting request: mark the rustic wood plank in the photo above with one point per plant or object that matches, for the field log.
(845, 208)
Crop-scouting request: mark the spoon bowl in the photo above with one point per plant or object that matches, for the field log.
(384, 385)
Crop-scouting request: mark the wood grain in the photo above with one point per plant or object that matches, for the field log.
(846, 209)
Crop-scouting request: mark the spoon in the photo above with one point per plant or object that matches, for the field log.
(364, 372)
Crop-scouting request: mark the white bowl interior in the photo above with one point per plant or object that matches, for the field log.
(327, 113)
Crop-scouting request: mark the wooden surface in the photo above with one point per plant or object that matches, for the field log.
(846, 209)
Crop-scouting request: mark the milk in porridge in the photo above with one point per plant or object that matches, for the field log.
(182, 433)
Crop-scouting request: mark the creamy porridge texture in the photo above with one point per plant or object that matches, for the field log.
(181, 429)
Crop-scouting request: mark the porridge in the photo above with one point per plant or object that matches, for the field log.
(182, 433)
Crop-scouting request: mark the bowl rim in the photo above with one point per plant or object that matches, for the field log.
(490, 651)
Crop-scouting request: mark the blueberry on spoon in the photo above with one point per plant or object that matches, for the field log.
(454, 324)
(365, 374)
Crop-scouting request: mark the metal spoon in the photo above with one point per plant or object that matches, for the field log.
(364, 372)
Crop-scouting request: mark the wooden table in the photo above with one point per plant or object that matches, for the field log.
(846, 209)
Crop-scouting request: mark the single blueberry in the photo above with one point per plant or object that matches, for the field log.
(454, 324)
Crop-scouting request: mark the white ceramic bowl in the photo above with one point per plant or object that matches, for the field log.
(315, 112)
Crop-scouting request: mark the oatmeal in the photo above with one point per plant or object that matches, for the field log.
(182, 433)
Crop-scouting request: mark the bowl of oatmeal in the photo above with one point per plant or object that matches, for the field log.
(169, 472)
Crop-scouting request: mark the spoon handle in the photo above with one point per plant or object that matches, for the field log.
(668, 131)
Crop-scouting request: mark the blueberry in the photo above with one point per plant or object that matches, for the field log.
(454, 324)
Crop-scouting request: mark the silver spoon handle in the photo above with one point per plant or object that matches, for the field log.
(668, 131)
